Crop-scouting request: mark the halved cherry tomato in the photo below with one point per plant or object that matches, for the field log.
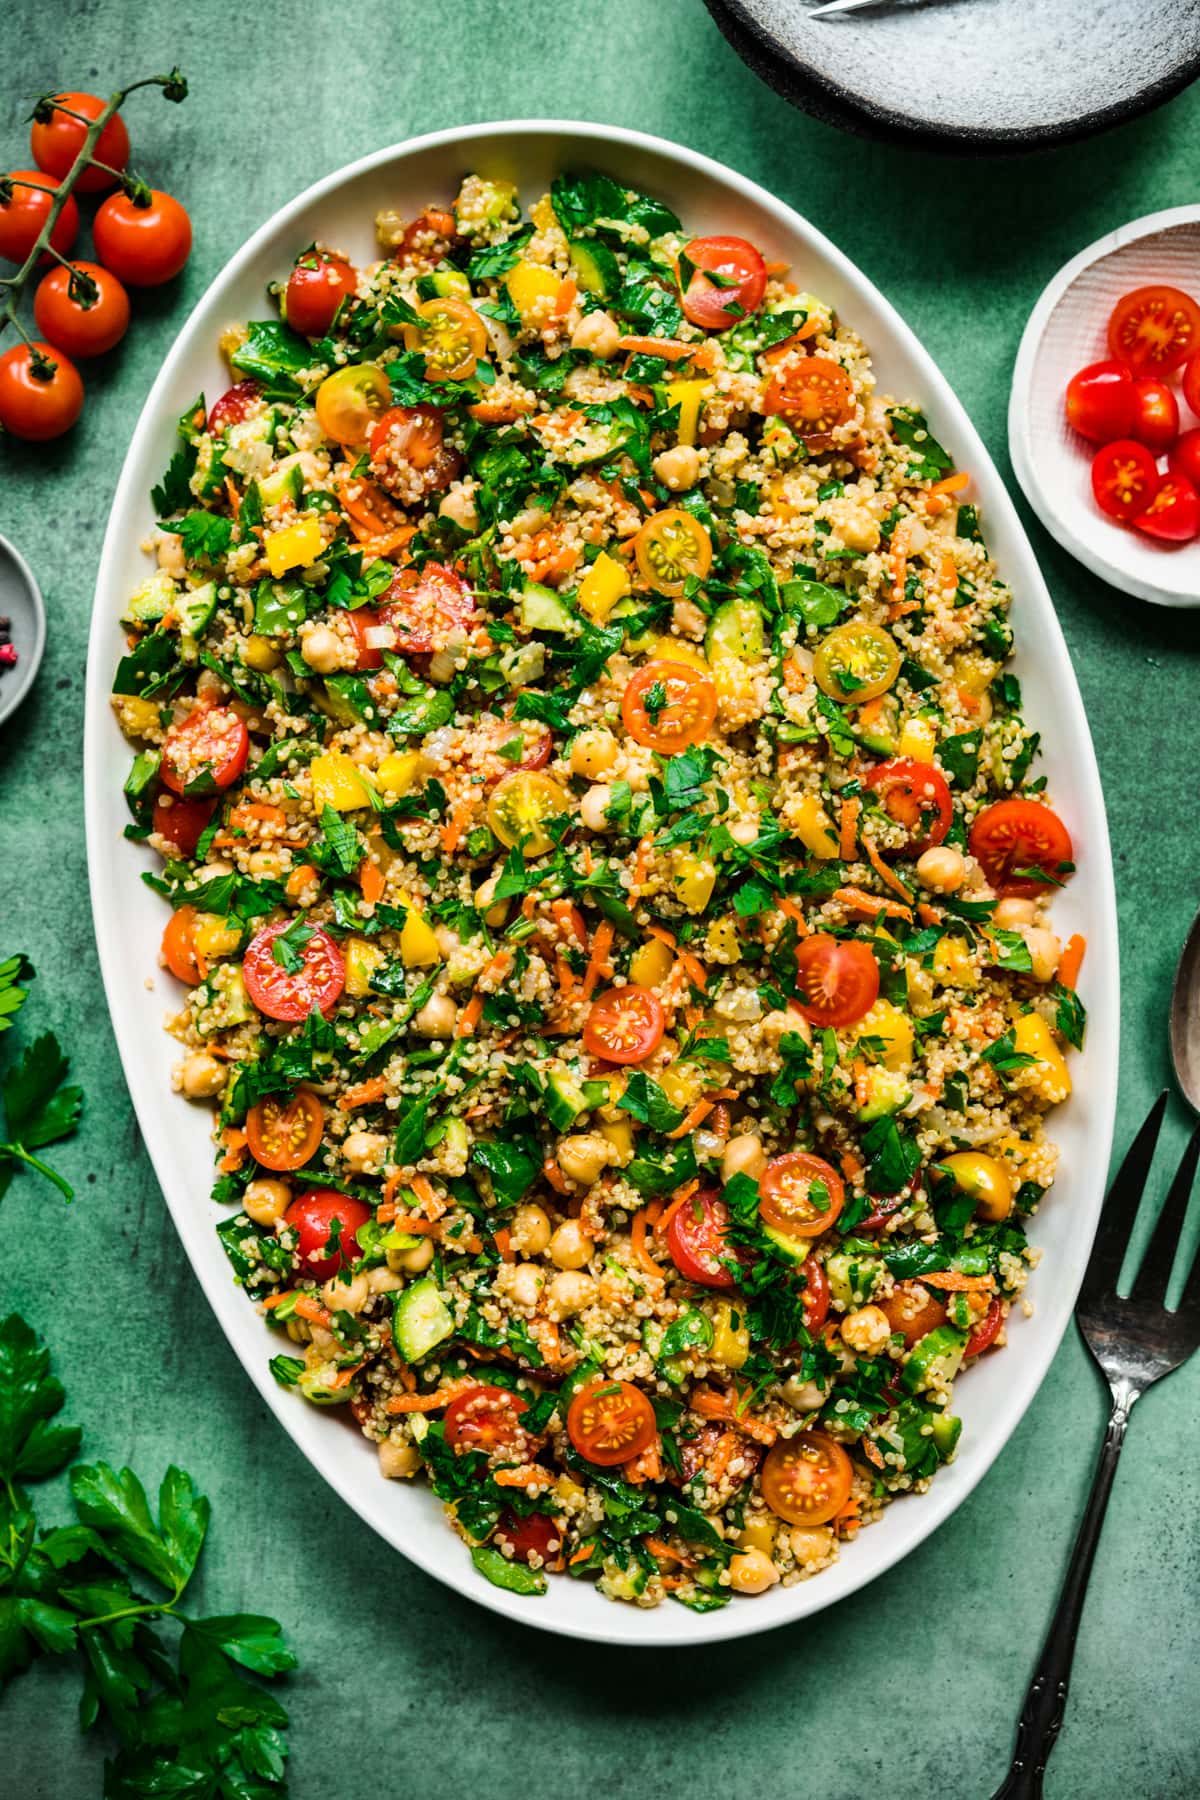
(179, 946)
(56, 140)
(800, 1195)
(1183, 458)
(813, 393)
(521, 807)
(497, 745)
(41, 394)
(349, 402)
(671, 546)
(316, 288)
(806, 1479)
(409, 455)
(280, 989)
(912, 1309)
(856, 662)
(207, 751)
(1174, 513)
(362, 620)
(987, 1330)
(145, 238)
(483, 1418)
(1155, 413)
(536, 1535)
(668, 706)
(451, 336)
(816, 1295)
(181, 821)
(22, 217)
(840, 978)
(1014, 840)
(737, 290)
(315, 1216)
(83, 309)
(624, 1025)
(424, 607)
(611, 1421)
(1124, 479)
(1154, 329)
(697, 1242)
(1100, 402)
(285, 1131)
(1191, 384)
(916, 796)
(235, 404)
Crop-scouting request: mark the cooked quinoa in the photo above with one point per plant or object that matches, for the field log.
(609, 884)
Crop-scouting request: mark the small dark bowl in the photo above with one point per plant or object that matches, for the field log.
(21, 604)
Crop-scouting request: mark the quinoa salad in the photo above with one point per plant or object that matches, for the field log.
(607, 870)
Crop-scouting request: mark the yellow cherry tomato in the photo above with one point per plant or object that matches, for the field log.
(349, 402)
(670, 547)
(451, 336)
(856, 662)
(985, 1179)
(520, 807)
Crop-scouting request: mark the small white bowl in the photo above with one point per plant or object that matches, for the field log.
(21, 603)
(1067, 329)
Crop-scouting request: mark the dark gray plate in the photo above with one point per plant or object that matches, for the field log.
(987, 74)
(21, 604)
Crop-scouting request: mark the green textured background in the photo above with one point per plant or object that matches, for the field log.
(910, 1689)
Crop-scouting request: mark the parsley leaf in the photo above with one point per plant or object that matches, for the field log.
(39, 1107)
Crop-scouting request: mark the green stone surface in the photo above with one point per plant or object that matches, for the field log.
(910, 1689)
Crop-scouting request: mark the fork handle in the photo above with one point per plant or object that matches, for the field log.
(1046, 1701)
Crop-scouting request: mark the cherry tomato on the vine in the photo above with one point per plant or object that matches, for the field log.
(315, 1217)
(1100, 402)
(1174, 513)
(56, 140)
(1124, 479)
(26, 210)
(145, 239)
(83, 309)
(41, 394)
(728, 282)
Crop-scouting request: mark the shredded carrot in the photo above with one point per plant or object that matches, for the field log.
(886, 875)
(598, 964)
(432, 1204)
(641, 864)
(365, 1094)
(312, 1310)
(583, 1554)
(470, 1016)
(852, 1166)
(870, 905)
(423, 1403)
(390, 1186)
(669, 348)
(665, 1553)
(385, 1212)
(791, 911)
(718, 1462)
(1072, 961)
(456, 824)
(847, 845)
(256, 810)
(951, 484)
(528, 1475)
(370, 880)
(234, 498)
(692, 1119)
(862, 1077)
(503, 1241)
(638, 1236)
(554, 1175)
(928, 915)
(501, 412)
(564, 300)
(235, 1149)
(683, 1195)
(951, 1282)
(646, 1466)
(713, 1405)
(344, 1377)
(365, 504)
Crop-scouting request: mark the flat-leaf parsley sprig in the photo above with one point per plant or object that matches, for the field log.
(40, 1108)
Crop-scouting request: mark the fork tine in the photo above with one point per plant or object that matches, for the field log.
(1154, 1277)
(1120, 1209)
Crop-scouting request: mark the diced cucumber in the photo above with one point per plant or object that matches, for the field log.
(882, 733)
(945, 1431)
(794, 1248)
(564, 1099)
(934, 1360)
(194, 608)
(222, 1001)
(595, 267)
(150, 601)
(284, 482)
(629, 608)
(420, 1320)
(543, 610)
(852, 1277)
(736, 631)
(450, 284)
(887, 1092)
(249, 444)
(210, 471)
(140, 781)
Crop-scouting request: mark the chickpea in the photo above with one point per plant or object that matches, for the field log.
(568, 1293)
(260, 653)
(384, 1281)
(268, 865)
(459, 507)
(494, 911)
(941, 870)
(321, 649)
(202, 1076)
(569, 1248)
(411, 1262)
(598, 333)
(810, 1544)
(593, 752)
(751, 1572)
(398, 1460)
(266, 1200)
(1009, 914)
(437, 1018)
(346, 1296)
(364, 1151)
(744, 1155)
(169, 551)
(520, 1283)
(583, 1158)
(688, 620)
(805, 1396)
(678, 468)
(529, 1232)
(866, 1330)
(594, 806)
(1045, 949)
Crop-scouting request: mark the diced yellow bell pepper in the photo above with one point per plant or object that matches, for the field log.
(672, 649)
(418, 940)
(136, 716)
(738, 699)
(695, 879)
(731, 1343)
(651, 963)
(606, 582)
(214, 936)
(918, 739)
(721, 941)
(361, 959)
(397, 774)
(682, 1083)
(295, 547)
(890, 1027)
(952, 964)
(337, 781)
(1049, 1076)
(687, 396)
(618, 1133)
(813, 826)
(531, 285)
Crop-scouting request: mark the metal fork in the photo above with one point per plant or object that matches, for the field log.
(1136, 1341)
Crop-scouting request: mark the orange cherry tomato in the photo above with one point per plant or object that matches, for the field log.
(670, 547)
(451, 336)
(1124, 479)
(208, 750)
(840, 978)
(625, 1025)
(179, 946)
(484, 1418)
(83, 309)
(807, 1479)
(1020, 846)
(668, 706)
(316, 288)
(145, 240)
(56, 140)
(800, 1195)
(41, 394)
(1154, 329)
(913, 1310)
(915, 794)
(813, 393)
(285, 1131)
(24, 213)
(729, 282)
(611, 1421)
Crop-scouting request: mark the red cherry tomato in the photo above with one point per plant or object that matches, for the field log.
(913, 1310)
(535, 1536)
(840, 978)
(1183, 458)
(314, 1216)
(316, 288)
(987, 1330)
(284, 1131)
(424, 607)
(1154, 329)
(697, 1242)
(1174, 513)
(144, 244)
(281, 990)
(182, 821)
(1100, 402)
(1155, 413)
(57, 139)
(667, 706)
(801, 1195)
(624, 1025)
(207, 751)
(179, 946)
(22, 216)
(816, 1295)
(807, 1479)
(741, 280)
(1124, 479)
(235, 404)
(408, 451)
(1013, 840)
(611, 1421)
(41, 394)
(484, 1418)
(83, 320)
(362, 620)
(814, 394)
(916, 796)
(1191, 384)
